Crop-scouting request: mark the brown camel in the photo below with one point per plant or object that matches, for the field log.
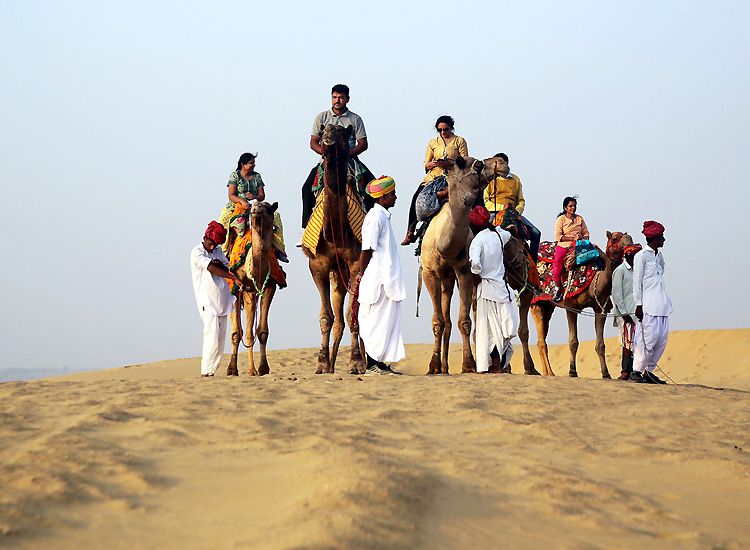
(262, 285)
(596, 296)
(444, 261)
(335, 260)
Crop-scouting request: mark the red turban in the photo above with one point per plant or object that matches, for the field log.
(216, 232)
(479, 216)
(652, 229)
(632, 249)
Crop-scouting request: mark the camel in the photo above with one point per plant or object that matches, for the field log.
(596, 296)
(263, 285)
(444, 260)
(335, 260)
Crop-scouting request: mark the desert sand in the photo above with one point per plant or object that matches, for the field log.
(153, 456)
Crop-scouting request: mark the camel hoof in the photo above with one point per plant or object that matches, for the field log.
(573, 374)
(319, 370)
(606, 376)
(263, 370)
(252, 372)
(232, 371)
(532, 372)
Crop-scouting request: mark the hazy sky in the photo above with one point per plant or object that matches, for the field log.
(119, 126)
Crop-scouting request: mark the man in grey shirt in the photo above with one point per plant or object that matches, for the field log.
(338, 115)
(624, 302)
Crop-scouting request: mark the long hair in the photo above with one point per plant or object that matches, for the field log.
(245, 158)
(566, 201)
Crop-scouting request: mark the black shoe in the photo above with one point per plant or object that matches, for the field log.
(653, 379)
(636, 376)
(386, 369)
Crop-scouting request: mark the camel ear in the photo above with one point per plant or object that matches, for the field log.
(609, 235)
(274, 207)
(460, 162)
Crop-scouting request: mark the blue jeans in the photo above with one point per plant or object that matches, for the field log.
(535, 236)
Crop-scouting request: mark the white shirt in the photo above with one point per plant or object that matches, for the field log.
(211, 291)
(648, 283)
(345, 119)
(383, 273)
(486, 257)
(622, 291)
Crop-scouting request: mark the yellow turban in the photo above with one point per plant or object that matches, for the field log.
(381, 186)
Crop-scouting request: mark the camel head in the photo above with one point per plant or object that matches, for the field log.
(616, 243)
(261, 216)
(336, 136)
(465, 181)
(516, 262)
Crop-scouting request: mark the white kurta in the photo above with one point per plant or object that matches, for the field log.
(381, 289)
(497, 315)
(649, 291)
(214, 302)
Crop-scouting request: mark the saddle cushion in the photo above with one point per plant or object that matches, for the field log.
(573, 284)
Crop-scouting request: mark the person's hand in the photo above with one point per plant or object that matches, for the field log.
(639, 312)
(355, 284)
(430, 165)
(249, 196)
(628, 319)
(246, 203)
(442, 194)
(476, 278)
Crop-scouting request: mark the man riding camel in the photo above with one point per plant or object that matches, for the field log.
(505, 192)
(338, 115)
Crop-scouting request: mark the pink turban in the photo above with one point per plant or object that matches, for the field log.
(216, 232)
(652, 229)
(479, 216)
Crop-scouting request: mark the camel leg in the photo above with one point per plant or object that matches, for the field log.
(236, 339)
(445, 306)
(356, 357)
(250, 301)
(542, 313)
(599, 322)
(265, 306)
(523, 334)
(321, 278)
(465, 292)
(434, 287)
(572, 342)
(337, 299)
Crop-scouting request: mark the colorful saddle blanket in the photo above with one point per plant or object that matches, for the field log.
(239, 256)
(314, 229)
(574, 284)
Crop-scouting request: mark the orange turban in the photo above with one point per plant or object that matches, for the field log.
(632, 249)
(479, 216)
(216, 232)
(652, 229)
(381, 186)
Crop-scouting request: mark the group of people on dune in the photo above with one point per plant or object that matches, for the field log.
(641, 303)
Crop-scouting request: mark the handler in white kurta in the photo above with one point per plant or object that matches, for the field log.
(209, 267)
(652, 306)
(380, 288)
(497, 315)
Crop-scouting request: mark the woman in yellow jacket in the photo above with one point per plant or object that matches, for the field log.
(440, 156)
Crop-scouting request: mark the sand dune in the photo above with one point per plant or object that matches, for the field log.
(153, 456)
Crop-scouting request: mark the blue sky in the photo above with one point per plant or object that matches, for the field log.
(119, 125)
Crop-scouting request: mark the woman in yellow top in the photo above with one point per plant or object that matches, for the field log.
(569, 227)
(440, 157)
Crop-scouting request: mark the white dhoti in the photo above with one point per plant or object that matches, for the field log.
(497, 324)
(380, 329)
(214, 338)
(649, 342)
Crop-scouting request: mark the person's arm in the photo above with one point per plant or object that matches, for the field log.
(220, 270)
(370, 232)
(638, 284)
(261, 194)
(317, 146)
(584, 230)
(429, 158)
(361, 147)
(520, 201)
(559, 237)
(475, 260)
(234, 197)
(617, 298)
(463, 148)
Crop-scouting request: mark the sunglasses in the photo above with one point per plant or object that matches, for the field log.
(443, 130)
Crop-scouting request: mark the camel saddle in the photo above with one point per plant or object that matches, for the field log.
(575, 278)
(239, 256)
(314, 229)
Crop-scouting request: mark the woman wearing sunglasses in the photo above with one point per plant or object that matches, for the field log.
(441, 154)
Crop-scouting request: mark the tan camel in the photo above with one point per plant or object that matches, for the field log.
(596, 296)
(335, 261)
(444, 261)
(262, 284)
